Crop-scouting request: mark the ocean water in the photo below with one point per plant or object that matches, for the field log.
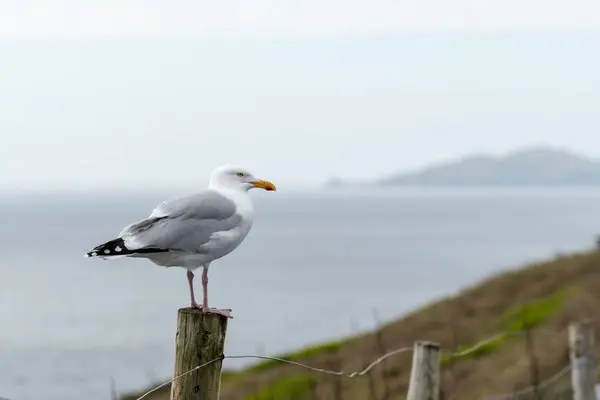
(315, 265)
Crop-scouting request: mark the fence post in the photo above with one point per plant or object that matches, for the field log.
(583, 368)
(200, 339)
(425, 374)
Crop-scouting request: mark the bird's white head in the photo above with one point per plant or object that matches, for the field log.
(237, 178)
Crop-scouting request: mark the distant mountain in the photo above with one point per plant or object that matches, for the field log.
(530, 167)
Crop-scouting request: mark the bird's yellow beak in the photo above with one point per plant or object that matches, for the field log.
(261, 184)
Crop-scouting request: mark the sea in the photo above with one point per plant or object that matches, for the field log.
(318, 264)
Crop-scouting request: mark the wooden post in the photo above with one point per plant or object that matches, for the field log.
(200, 339)
(533, 364)
(583, 368)
(425, 374)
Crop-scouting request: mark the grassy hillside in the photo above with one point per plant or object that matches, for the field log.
(544, 297)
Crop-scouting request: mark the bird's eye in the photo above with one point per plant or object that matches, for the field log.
(240, 174)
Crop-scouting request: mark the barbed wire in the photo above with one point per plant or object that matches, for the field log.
(531, 389)
(362, 372)
(180, 376)
(315, 369)
(576, 363)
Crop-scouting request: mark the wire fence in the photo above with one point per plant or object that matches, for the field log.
(540, 386)
(531, 389)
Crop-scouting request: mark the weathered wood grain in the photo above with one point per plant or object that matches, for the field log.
(200, 339)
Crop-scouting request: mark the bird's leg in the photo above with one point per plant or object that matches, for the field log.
(190, 277)
(205, 288)
(205, 307)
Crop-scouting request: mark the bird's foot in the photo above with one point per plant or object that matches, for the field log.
(226, 312)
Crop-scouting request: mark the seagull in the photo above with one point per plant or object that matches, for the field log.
(193, 230)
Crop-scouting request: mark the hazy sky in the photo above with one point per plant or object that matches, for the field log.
(155, 93)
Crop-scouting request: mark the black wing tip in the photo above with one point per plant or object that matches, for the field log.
(113, 247)
(116, 247)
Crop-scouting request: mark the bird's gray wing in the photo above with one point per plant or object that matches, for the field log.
(184, 223)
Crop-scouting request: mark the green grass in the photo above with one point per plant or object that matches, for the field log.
(290, 388)
(483, 350)
(532, 314)
(298, 355)
(519, 318)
